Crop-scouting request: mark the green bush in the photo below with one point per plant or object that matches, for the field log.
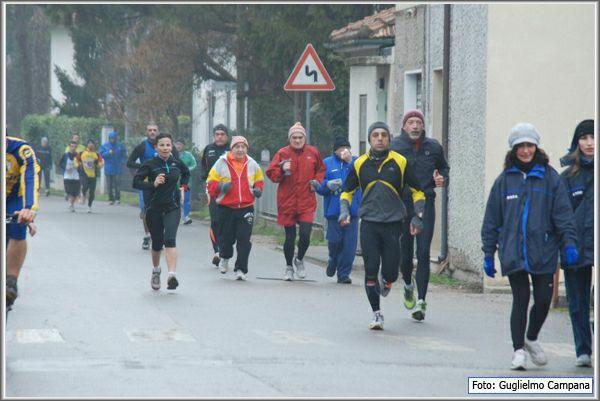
(58, 129)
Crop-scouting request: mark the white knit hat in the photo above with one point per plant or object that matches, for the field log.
(523, 132)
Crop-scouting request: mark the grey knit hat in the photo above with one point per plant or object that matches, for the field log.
(523, 132)
(376, 125)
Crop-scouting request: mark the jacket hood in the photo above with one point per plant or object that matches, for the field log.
(112, 135)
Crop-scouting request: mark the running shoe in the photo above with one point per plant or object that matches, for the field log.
(583, 361)
(537, 354)
(47, 192)
(224, 266)
(384, 286)
(146, 243)
(216, 260)
(330, 271)
(419, 313)
(89, 209)
(240, 275)
(111, 203)
(155, 280)
(11, 290)
(377, 322)
(409, 296)
(187, 220)
(345, 280)
(72, 208)
(519, 360)
(289, 273)
(172, 282)
(300, 270)
(118, 202)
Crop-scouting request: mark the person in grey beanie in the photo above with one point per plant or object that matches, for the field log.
(528, 220)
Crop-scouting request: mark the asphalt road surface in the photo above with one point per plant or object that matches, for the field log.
(87, 324)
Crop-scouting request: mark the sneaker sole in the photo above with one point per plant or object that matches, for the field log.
(518, 368)
(376, 327)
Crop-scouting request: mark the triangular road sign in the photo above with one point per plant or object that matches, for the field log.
(309, 74)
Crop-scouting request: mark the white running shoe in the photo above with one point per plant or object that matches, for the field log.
(519, 360)
(377, 322)
(537, 354)
(240, 275)
(89, 209)
(289, 273)
(300, 270)
(155, 281)
(584, 361)
(224, 266)
(72, 208)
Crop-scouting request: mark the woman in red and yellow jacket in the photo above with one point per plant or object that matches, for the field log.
(234, 182)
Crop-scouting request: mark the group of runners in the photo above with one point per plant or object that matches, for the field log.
(533, 214)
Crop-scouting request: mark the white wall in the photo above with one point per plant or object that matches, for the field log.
(540, 69)
(201, 129)
(61, 55)
(363, 81)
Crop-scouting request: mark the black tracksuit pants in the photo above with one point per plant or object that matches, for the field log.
(380, 247)
(407, 243)
(236, 227)
(214, 232)
(542, 296)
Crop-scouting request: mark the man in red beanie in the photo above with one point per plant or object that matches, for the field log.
(425, 156)
(299, 171)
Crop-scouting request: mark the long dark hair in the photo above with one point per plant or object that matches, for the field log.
(540, 157)
(575, 166)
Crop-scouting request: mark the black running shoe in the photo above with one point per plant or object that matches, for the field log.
(11, 290)
(216, 260)
(172, 282)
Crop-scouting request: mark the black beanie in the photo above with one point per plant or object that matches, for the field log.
(378, 124)
(583, 128)
(339, 142)
(220, 127)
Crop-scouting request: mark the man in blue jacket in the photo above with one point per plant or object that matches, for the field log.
(115, 155)
(340, 240)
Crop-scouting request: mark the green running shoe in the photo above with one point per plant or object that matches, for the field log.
(409, 296)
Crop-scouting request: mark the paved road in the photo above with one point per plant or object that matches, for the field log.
(88, 324)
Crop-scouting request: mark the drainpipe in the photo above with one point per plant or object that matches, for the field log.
(445, 123)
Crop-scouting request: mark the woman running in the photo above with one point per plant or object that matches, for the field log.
(528, 219)
(166, 177)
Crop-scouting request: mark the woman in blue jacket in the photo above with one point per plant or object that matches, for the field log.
(578, 178)
(341, 241)
(528, 219)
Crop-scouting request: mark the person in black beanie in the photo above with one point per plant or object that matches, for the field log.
(382, 175)
(341, 241)
(212, 152)
(578, 178)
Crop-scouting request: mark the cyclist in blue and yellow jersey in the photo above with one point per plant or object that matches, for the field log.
(22, 186)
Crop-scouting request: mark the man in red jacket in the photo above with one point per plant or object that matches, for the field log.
(299, 170)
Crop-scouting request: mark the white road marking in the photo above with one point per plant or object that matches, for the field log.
(158, 335)
(286, 337)
(428, 343)
(34, 336)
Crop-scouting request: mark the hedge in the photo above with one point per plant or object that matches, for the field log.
(59, 129)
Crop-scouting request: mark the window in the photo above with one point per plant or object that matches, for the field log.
(413, 91)
(362, 124)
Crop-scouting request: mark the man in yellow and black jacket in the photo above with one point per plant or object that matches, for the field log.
(382, 175)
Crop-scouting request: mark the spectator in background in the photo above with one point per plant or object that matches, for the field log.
(188, 159)
(44, 154)
(341, 241)
(114, 154)
(299, 170)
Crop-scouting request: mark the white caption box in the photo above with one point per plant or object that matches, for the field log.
(531, 385)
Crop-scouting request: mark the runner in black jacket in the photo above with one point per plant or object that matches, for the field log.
(166, 176)
(212, 152)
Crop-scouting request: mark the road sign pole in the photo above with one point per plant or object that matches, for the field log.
(308, 118)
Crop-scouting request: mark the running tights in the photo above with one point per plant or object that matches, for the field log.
(290, 239)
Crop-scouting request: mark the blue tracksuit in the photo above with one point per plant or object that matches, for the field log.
(113, 163)
(578, 278)
(341, 241)
(527, 218)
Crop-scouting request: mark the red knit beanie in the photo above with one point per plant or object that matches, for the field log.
(412, 113)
